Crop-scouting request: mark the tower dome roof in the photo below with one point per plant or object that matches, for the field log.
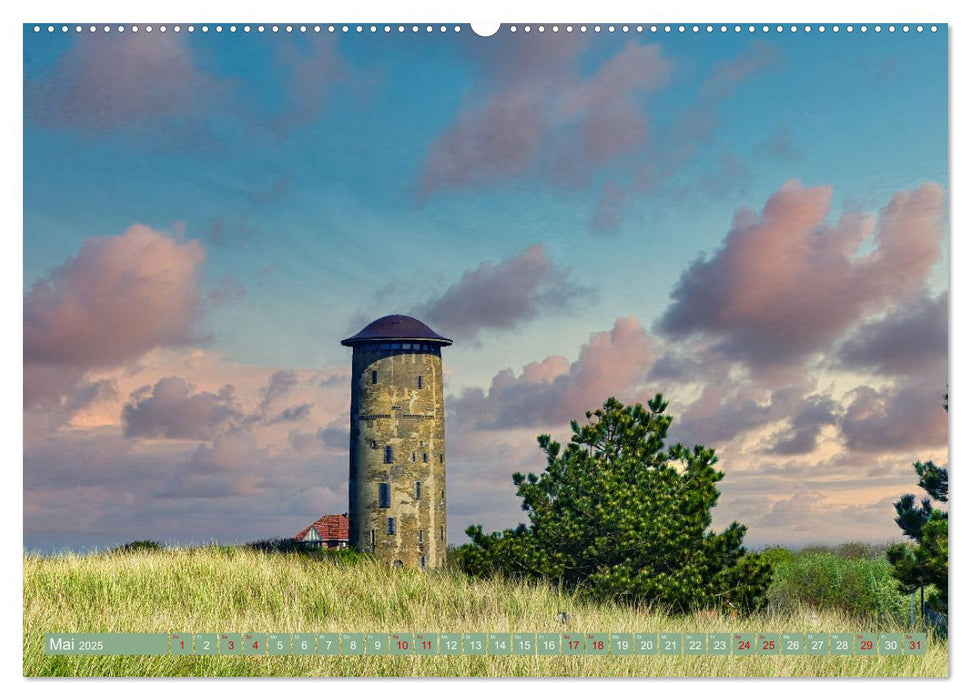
(396, 327)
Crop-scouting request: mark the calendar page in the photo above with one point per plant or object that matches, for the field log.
(514, 350)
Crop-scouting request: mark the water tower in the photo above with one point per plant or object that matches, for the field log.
(397, 444)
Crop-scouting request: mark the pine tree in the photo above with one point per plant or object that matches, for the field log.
(924, 563)
(616, 515)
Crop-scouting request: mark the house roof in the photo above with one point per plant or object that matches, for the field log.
(396, 327)
(329, 527)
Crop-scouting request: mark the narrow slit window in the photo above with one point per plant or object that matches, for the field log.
(441, 533)
(384, 495)
(374, 376)
(424, 457)
(419, 381)
(417, 489)
(388, 454)
(423, 562)
(421, 535)
(391, 526)
(412, 456)
(372, 538)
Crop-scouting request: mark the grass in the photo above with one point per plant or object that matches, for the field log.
(218, 589)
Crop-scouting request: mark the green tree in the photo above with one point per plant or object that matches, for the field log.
(923, 563)
(616, 515)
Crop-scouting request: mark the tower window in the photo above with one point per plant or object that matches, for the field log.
(388, 454)
(391, 526)
(441, 459)
(384, 495)
(441, 533)
(423, 561)
(419, 381)
(417, 489)
(424, 457)
(374, 376)
(412, 456)
(421, 535)
(372, 538)
(374, 444)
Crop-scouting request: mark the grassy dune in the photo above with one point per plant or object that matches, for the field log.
(233, 590)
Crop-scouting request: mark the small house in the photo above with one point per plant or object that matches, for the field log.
(330, 531)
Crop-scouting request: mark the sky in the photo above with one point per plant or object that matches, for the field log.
(754, 226)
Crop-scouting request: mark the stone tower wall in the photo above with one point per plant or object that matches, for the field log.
(390, 409)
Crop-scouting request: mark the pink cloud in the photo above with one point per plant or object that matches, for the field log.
(551, 392)
(543, 115)
(726, 76)
(504, 294)
(111, 80)
(119, 297)
(786, 283)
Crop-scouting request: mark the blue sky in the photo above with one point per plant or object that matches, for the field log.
(326, 180)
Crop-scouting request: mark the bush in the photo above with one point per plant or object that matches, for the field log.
(138, 546)
(311, 551)
(862, 587)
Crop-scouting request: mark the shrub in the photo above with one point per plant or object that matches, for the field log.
(138, 546)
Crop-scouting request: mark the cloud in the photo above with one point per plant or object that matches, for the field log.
(500, 296)
(278, 385)
(904, 416)
(726, 76)
(554, 391)
(909, 339)
(727, 409)
(312, 73)
(171, 410)
(786, 283)
(534, 111)
(118, 298)
(800, 437)
(107, 81)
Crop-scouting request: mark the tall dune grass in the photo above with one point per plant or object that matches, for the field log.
(216, 589)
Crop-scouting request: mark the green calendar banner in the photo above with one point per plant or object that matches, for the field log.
(767, 643)
(865, 644)
(352, 644)
(890, 644)
(719, 644)
(621, 643)
(475, 644)
(914, 643)
(793, 644)
(597, 643)
(278, 644)
(743, 644)
(841, 644)
(449, 644)
(254, 644)
(402, 644)
(426, 644)
(694, 644)
(206, 644)
(303, 644)
(547, 643)
(669, 643)
(106, 644)
(377, 643)
(329, 644)
(180, 644)
(860, 644)
(230, 644)
(500, 643)
(571, 644)
(645, 643)
(817, 643)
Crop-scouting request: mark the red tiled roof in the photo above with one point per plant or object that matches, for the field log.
(329, 527)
